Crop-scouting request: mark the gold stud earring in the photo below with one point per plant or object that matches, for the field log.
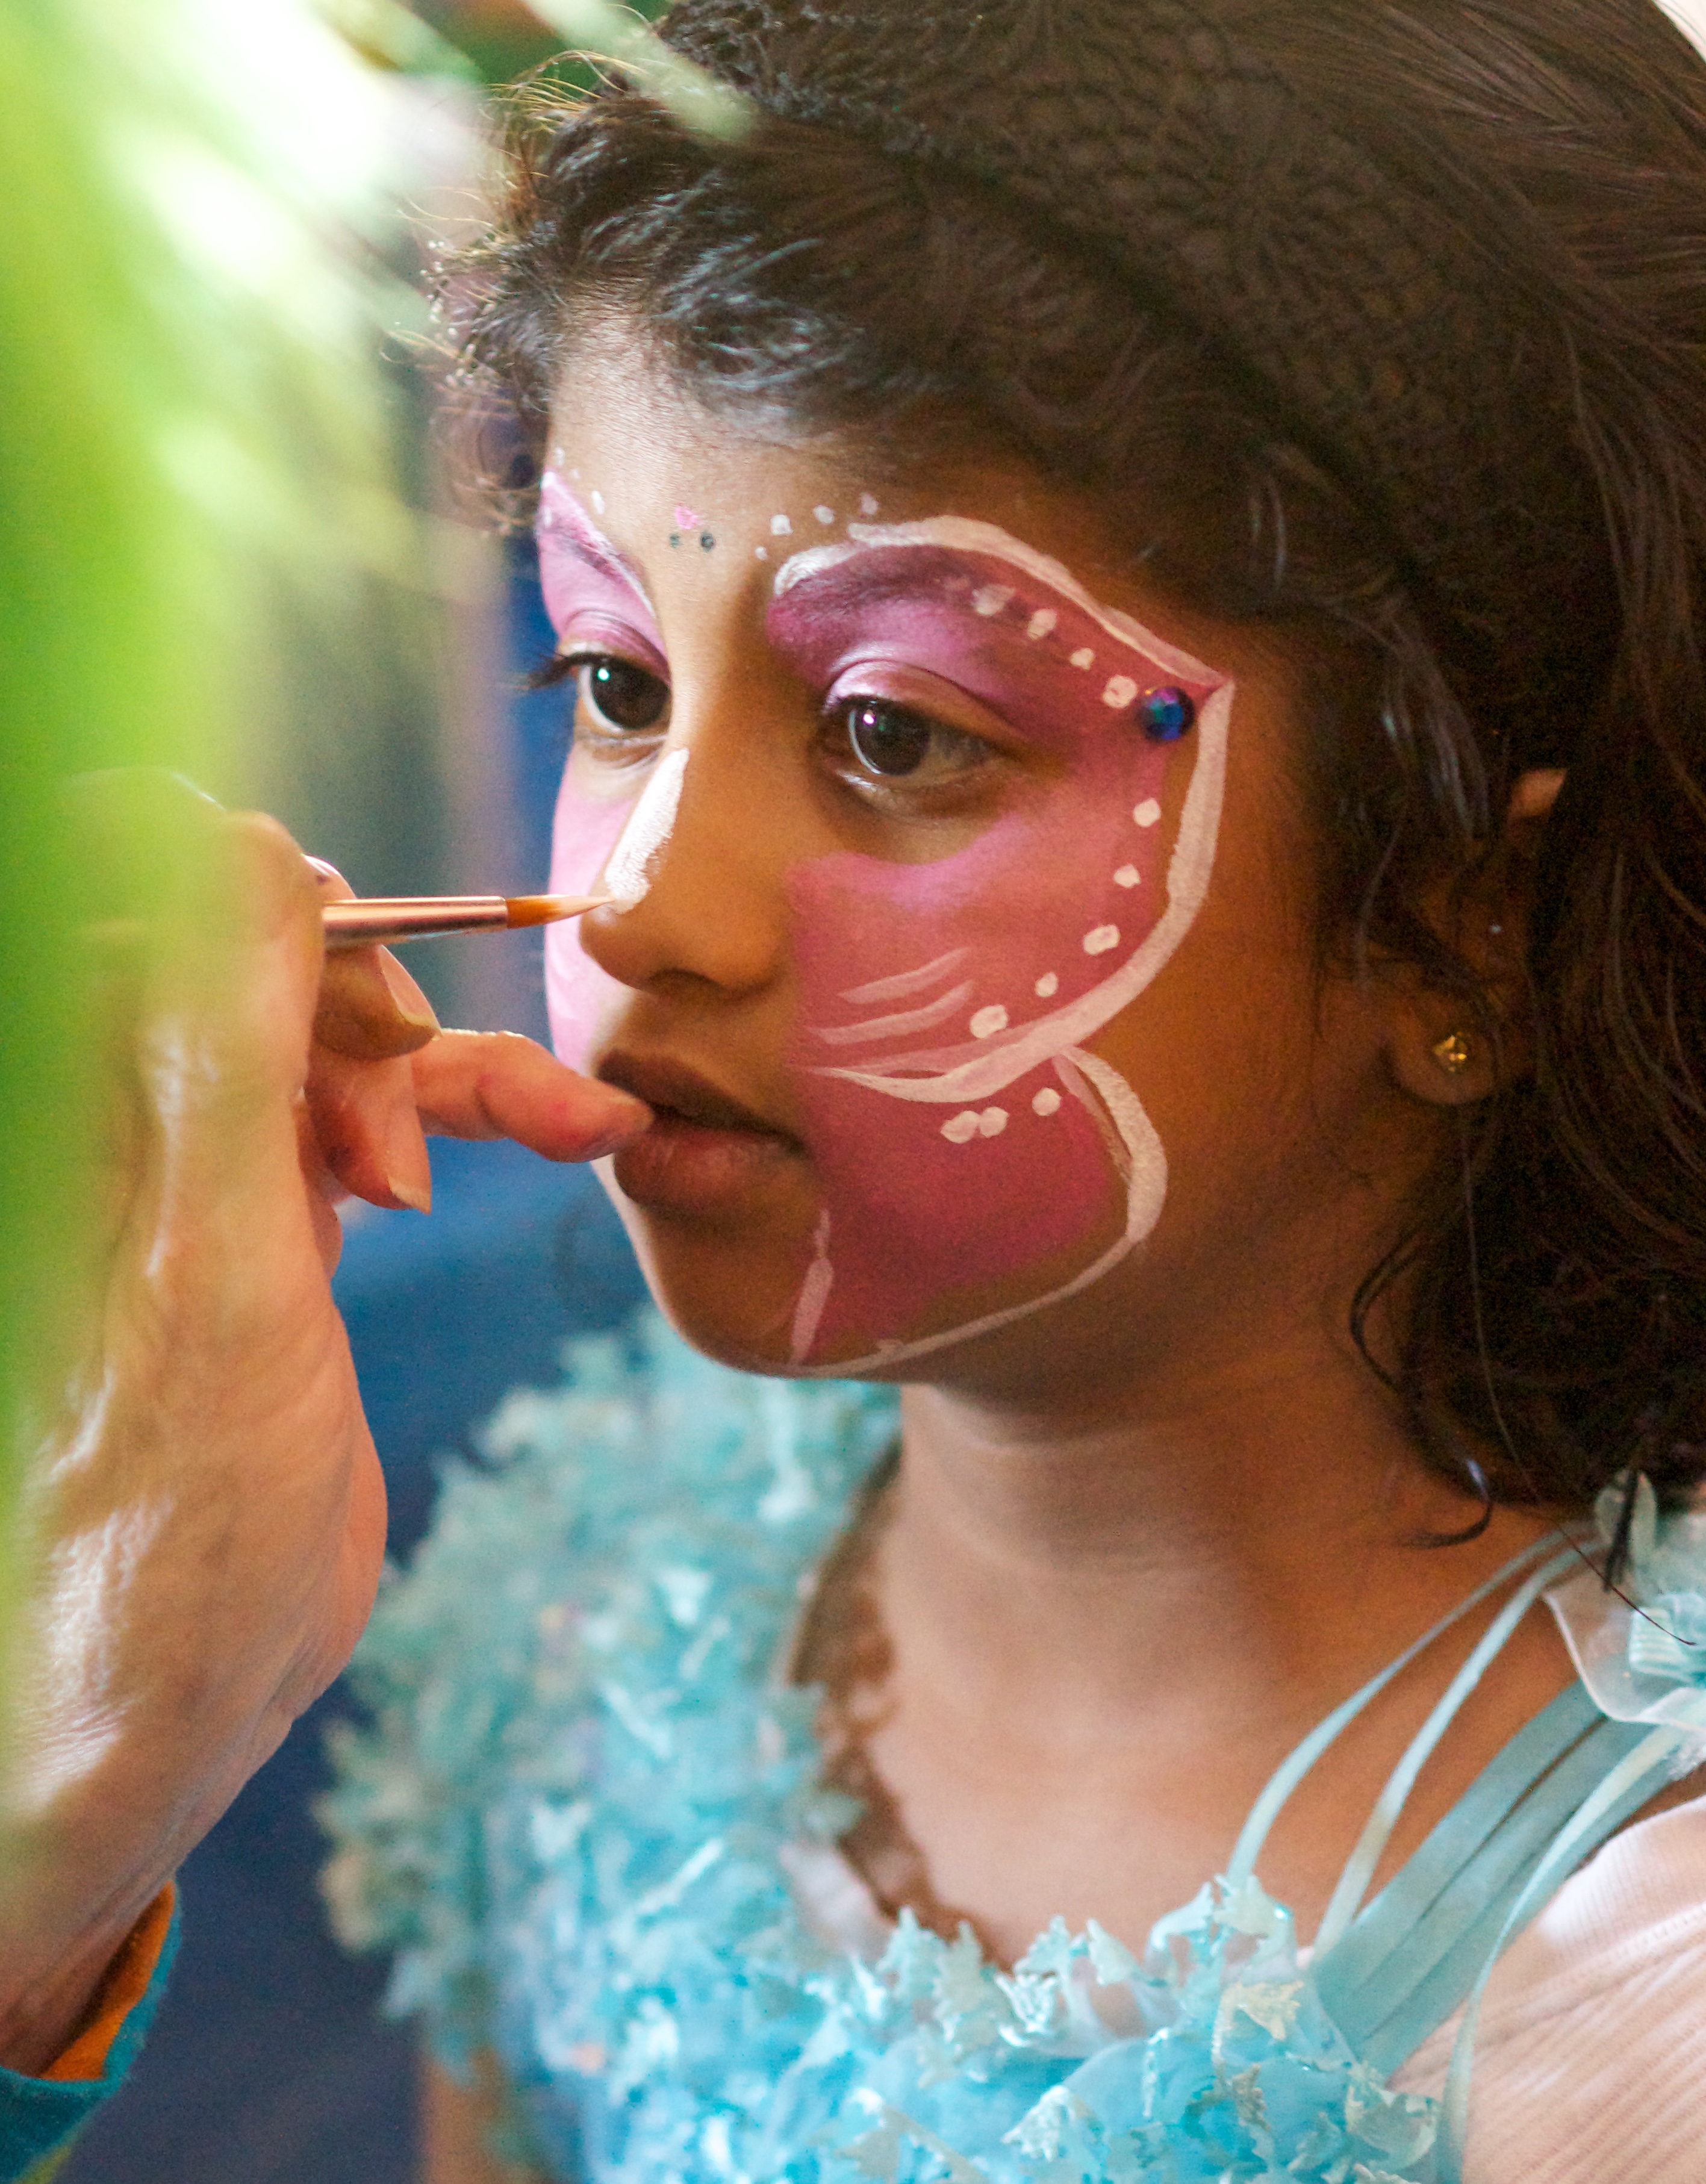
(1451, 1053)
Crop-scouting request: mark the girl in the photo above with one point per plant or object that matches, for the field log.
(1130, 572)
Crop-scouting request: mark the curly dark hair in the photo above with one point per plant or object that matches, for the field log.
(1554, 1275)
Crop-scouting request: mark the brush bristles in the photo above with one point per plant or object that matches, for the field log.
(547, 909)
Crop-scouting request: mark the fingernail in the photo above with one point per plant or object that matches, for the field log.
(628, 1119)
(407, 1191)
(412, 1004)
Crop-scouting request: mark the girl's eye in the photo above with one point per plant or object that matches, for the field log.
(619, 696)
(895, 744)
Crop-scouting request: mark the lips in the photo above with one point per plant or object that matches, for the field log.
(706, 1151)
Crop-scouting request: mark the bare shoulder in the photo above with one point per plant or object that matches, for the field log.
(456, 2123)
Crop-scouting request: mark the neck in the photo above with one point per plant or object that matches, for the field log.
(1255, 1541)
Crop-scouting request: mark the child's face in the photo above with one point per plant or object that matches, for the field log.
(963, 941)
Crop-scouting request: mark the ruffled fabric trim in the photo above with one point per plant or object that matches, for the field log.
(573, 1817)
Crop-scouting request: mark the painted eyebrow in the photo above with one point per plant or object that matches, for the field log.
(967, 535)
(865, 584)
(599, 554)
(563, 526)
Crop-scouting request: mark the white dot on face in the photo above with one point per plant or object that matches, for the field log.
(992, 1122)
(1084, 657)
(1100, 938)
(1126, 876)
(1120, 691)
(824, 514)
(1048, 983)
(1147, 813)
(960, 1129)
(1041, 623)
(988, 1021)
(1046, 1102)
(991, 599)
(780, 527)
(597, 502)
(760, 552)
(867, 506)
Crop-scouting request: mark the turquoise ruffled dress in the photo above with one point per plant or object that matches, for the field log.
(575, 1815)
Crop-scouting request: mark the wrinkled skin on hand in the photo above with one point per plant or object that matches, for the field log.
(208, 1510)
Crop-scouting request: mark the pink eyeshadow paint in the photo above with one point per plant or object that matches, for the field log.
(961, 1132)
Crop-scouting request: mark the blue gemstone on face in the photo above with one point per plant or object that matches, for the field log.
(1166, 714)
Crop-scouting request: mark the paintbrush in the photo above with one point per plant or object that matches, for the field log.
(384, 921)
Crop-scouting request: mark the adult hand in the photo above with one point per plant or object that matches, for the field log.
(207, 1509)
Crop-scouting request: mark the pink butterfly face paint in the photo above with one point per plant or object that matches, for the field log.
(965, 1140)
(962, 1131)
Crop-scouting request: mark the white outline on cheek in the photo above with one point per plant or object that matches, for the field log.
(641, 844)
(814, 1294)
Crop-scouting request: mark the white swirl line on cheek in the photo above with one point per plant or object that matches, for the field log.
(905, 982)
(896, 1026)
(814, 1294)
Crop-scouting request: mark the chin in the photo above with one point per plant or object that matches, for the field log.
(728, 1286)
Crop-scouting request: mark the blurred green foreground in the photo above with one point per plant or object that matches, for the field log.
(192, 462)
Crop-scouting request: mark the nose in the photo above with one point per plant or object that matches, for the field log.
(699, 873)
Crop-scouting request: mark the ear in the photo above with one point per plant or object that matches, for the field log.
(1439, 1050)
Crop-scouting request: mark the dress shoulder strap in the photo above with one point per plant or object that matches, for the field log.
(1292, 1770)
(1408, 1960)
(1390, 1974)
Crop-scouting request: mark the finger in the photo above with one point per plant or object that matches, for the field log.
(498, 1084)
(370, 1007)
(366, 1129)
